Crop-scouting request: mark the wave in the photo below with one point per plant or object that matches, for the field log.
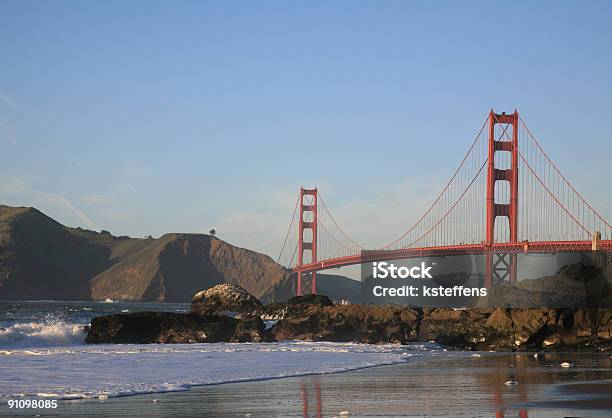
(50, 333)
(105, 371)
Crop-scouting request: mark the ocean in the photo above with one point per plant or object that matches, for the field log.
(43, 356)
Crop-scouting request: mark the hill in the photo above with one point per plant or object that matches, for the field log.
(175, 266)
(43, 259)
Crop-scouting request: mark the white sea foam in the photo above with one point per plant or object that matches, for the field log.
(51, 332)
(96, 371)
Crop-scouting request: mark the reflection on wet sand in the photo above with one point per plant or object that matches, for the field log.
(500, 385)
(313, 385)
(317, 391)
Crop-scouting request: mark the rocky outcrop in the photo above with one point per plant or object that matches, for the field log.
(206, 323)
(224, 297)
(500, 329)
(169, 327)
(460, 328)
(366, 324)
(470, 329)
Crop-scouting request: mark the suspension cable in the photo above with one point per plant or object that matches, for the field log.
(441, 193)
(288, 230)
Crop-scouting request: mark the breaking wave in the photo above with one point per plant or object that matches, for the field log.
(50, 333)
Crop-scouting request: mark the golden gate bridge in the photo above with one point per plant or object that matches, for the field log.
(507, 197)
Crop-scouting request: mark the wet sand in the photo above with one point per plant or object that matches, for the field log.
(437, 384)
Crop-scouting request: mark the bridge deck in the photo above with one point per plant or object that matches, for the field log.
(476, 249)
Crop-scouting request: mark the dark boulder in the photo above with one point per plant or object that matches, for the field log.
(250, 330)
(169, 327)
(465, 329)
(317, 300)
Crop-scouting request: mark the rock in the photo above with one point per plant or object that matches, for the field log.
(530, 324)
(318, 300)
(250, 330)
(501, 329)
(500, 319)
(578, 327)
(604, 322)
(472, 329)
(224, 297)
(466, 329)
(170, 327)
(273, 311)
(356, 323)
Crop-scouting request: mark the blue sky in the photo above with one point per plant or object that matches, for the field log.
(152, 117)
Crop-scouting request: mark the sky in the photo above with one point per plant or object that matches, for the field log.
(148, 117)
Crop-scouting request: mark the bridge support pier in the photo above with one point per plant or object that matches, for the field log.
(302, 282)
(298, 290)
(500, 267)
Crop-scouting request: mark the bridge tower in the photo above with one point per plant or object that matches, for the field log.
(308, 209)
(500, 266)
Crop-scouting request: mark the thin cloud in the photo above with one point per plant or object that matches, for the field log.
(10, 102)
(82, 216)
(17, 187)
(126, 178)
(133, 170)
(257, 231)
(96, 199)
(12, 185)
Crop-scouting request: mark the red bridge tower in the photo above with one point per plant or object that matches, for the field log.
(308, 221)
(501, 266)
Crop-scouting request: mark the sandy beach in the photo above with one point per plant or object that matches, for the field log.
(456, 384)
